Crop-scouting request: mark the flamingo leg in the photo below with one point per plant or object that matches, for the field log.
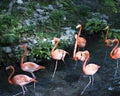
(23, 91)
(65, 64)
(92, 77)
(106, 52)
(116, 68)
(55, 69)
(25, 88)
(33, 75)
(75, 65)
(86, 85)
(34, 78)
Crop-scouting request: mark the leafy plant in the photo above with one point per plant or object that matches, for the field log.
(42, 50)
(115, 33)
(57, 18)
(8, 39)
(94, 25)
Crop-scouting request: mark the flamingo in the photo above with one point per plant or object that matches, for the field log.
(19, 79)
(77, 55)
(108, 42)
(115, 52)
(89, 69)
(57, 54)
(29, 66)
(81, 42)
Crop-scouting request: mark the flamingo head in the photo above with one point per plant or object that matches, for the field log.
(9, 67)
(56, 39)
(23, 46)
(78, 26)
(108, 43)
(107, 27)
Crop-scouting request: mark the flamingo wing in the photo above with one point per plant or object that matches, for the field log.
(91, 69)
(58, 54)
(117, 53)
(30, 66)
(22, 79)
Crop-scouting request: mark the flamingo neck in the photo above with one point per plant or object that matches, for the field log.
(54, 46)
(106, 37)
(10, 76)
(112, 55)
(86, 60)
(74, 52)
(79, 33)
(22, 59)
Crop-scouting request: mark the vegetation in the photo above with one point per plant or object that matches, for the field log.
(67, 13)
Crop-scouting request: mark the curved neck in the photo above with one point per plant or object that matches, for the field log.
(86, 60)
(115, 47)
(54, 46)
(106, 36)
(24, 54)
(10, 76)
(75, 48)
(79, 33)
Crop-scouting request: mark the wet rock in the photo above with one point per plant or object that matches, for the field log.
(7, 49)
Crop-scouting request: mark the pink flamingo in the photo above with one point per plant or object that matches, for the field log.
(81, 42)
(57, 54)
(77, 55)
(89, 69)
(19, 79)
(29, 66)
(108, 42)
(115, 53)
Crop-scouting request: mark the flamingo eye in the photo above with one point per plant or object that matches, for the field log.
(81, 54)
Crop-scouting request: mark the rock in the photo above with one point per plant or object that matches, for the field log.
(7, 49)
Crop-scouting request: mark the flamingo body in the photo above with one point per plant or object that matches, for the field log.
(88, 69)
(22, 80)
(81, 42)
(19, 79)
(91, 69)
(31, 67)
(57, 54)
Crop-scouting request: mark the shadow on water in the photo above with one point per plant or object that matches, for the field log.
(70, 81)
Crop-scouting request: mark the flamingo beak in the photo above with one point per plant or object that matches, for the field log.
(107, 27)
(42, 67)
(78, 26)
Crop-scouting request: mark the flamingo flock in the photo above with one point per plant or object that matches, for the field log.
(59, 54)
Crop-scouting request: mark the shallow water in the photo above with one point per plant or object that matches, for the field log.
(69, 81)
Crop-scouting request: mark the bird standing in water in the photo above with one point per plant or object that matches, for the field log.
(29, 66)
(81, 42)
(77, 55)
(108, 42)
(57, 54)
(19, 79)
(115, 53)
(88, 69)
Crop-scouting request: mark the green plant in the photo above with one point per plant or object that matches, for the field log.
(42, 50)
(57, 18)
(115, 33)
(7, 22)
(8, 39)
(94, 25)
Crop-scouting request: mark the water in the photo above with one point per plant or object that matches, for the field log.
(70, 81)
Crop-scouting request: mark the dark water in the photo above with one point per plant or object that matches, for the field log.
(69, 81)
